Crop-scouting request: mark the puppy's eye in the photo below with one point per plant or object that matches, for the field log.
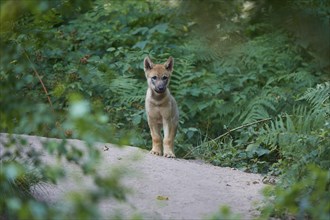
(154, 77)
(164, 78)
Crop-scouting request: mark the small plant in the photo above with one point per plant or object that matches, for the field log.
(307, 198)
(224, 213)
(253, 93)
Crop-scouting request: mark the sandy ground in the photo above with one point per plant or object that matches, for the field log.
(162, 188)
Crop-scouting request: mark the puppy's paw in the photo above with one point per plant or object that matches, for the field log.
(155, 152)
(169, 155)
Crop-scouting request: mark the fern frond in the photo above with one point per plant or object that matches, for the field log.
(293, 130)
(127, 90)
(318, 96)
(258, 108)
(202, 53)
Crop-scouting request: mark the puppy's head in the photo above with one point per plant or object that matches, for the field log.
(158, 75)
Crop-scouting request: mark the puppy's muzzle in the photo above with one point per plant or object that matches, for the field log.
(160, 89)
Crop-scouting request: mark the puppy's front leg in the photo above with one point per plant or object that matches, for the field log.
(155, 130)
(169, 135)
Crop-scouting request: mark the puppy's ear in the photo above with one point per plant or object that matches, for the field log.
(148, 64)
(169, 64)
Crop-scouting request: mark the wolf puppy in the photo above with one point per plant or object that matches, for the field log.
(162, 110)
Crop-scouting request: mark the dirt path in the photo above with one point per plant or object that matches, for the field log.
(194, 189)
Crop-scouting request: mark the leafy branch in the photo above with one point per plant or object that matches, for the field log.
(39, 78)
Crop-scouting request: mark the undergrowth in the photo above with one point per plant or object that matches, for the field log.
(252, 93)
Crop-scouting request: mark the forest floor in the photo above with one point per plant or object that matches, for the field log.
(161, 188)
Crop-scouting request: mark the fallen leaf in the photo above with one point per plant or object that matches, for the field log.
(162, 197)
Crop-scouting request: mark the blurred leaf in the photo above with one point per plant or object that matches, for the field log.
(141, 44)
(162, 198)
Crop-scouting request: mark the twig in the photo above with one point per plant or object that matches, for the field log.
(40, 80)
(228, 132)
(240, 127)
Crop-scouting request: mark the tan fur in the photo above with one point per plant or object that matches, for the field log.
(161, 107)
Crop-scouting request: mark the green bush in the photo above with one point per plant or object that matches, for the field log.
(253, 92)
(307, 198)
(29, 106)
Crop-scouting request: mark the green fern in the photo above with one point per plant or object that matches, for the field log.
(319, 96)
(127, 90)
(308, 125)
(201, 52)
(258, 108)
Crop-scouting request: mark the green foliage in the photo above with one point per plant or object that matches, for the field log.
(319, 96)
(253, 92)
(308, 197)
(224, 213)
(41, 94)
